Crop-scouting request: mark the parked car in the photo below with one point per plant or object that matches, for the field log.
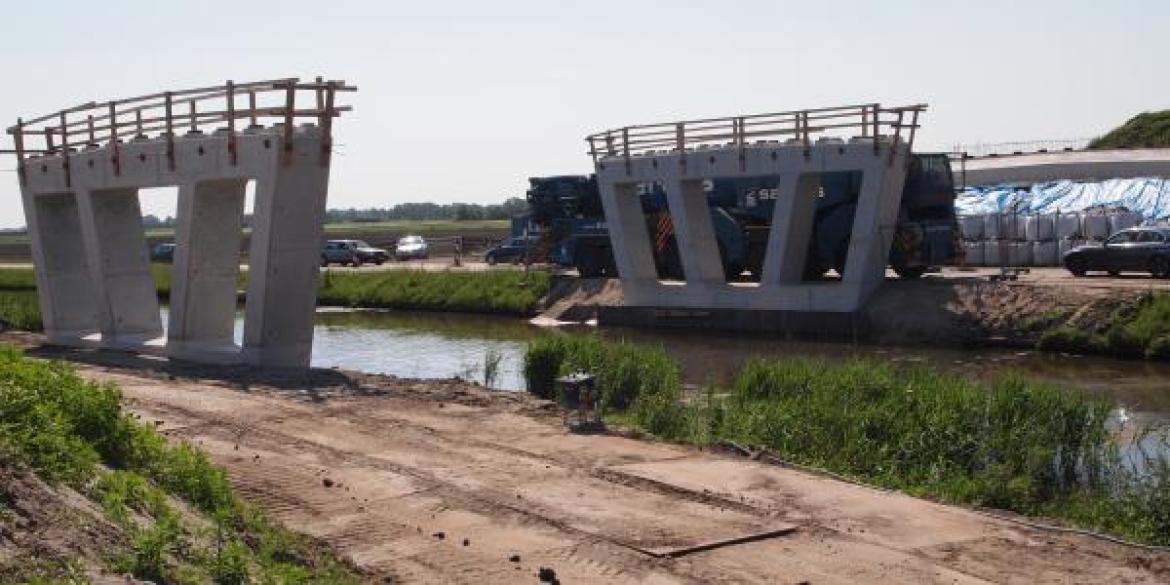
(510, 250)
(1141, 249)
(163, 253)
(353, 252)
(412, 247)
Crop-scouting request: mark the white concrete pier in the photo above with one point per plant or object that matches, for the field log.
(627, 157)
(84, 219)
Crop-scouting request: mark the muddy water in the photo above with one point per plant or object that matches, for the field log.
(441, 345)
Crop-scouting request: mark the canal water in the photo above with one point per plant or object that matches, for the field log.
(442, 345)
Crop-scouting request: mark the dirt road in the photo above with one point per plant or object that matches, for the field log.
(443, 482)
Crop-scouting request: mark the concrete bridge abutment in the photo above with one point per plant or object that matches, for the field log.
(93, 267)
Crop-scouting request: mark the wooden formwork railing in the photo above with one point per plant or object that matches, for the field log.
(98, 124)
(801, 127)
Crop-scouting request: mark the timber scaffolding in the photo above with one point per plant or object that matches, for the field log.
(96, 124)
(796, 128)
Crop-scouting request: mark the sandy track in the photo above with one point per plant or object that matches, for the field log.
(409, 461)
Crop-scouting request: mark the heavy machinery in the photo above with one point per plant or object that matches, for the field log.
(567, 211)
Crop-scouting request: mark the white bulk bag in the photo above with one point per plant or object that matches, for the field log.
(1068, 225)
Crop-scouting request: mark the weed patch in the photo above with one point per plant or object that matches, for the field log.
(1012, 443)
(63, 427)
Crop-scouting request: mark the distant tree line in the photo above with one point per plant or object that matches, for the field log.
(408, 211)
(431, 211)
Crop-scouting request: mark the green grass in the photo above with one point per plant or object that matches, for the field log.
(494, 291)
(507, 292)
(20, 310)
(1147, 130)
(1012, 444)
(73, 431)
(1135, 329)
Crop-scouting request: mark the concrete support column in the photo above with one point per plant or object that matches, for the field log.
(206, 265)
(284, 257)
(873, 226)
(119, 263)
(792, 223)
(698, 247)
(69, 308)
(630, 241)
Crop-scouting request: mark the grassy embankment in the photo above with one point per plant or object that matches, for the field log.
(511, 292)
(1137, 328)
(1012, 444)
(178, 519)
(1147, 130)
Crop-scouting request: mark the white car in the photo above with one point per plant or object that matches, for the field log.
(412, 247)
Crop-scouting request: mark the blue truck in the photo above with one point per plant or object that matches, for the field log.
(567, 212)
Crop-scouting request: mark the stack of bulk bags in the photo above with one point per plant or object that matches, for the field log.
(993, 251)
(1122, 220)
(1020, 254)
(1045, 253)
(1096, 226)
(973, 253)
(1068, 226)
(971, 227)
(1039, 227)
(991, 226)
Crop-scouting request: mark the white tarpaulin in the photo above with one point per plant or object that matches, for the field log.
(1148, 197)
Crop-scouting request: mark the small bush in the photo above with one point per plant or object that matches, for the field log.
(622, 372)
(1070, 340)
(20, 310)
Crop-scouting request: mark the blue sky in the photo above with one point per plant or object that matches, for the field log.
(462, 101)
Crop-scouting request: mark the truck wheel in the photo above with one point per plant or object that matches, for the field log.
(1076, 265)
(491, 260)
(324, 262)
(357, 262)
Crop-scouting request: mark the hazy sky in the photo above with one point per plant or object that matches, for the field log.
(463, 101)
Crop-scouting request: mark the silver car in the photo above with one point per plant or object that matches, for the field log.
(412, 247)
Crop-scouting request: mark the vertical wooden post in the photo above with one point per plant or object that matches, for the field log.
(805, 137)
(626, 149)
(18, 139)
(877, 129)
(290, 99)
(320, 96)
(327, 124)
(252, 107)
(138, 133)
(65, 152)
(231, 120)
(680, 145)
(170, 133)
(49, 141)
(897, 137)
(741, 139)
(89, 126)
(194, 118)
(115, 155)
